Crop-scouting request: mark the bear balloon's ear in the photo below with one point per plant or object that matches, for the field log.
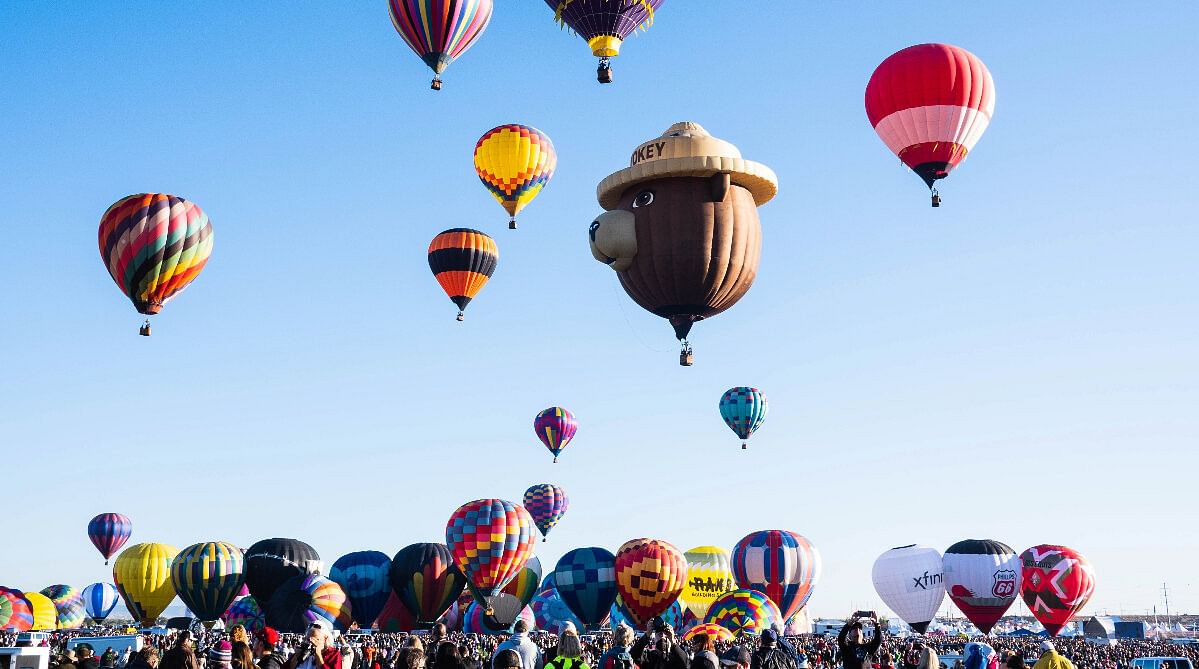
(720, 185)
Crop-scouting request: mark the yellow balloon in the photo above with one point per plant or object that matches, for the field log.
(142, 574)
(709, 575)
(45, 615)
(515, 162)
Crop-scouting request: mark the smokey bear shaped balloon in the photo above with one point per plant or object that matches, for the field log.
(681, 228)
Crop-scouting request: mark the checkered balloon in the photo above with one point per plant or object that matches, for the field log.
(586, 581)
(490, 541)
(650, 574)
(547, 503)
(743, 410)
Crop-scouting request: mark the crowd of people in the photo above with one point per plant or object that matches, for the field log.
(860, 645)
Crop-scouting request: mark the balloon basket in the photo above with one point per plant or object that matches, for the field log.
(461, 317)
(936, 198)
(603, 73)
(686, 357)
(436, 85)
(144, 331)
(744, 446)
(512, 224)
(555, 459)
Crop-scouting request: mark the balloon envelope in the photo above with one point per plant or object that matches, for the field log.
(363, 576)
(515, 162)
(555, 427)
(910, 583)
(605, 24)
(208, 576)
(782, 564)
(551, 613)
(982, 577)
(304, 599)
(650, 574)
(270, 562)
(547, 503)
(526, 584)
(99, 599)
(709, 575)
(142, 574)
(45, 616)
(68, 603)
(20, 618)
(440, 30)
(462, 260)
(245, 612)
(743, 410)
(490, 541)
(717, 632)
(108, 532)
(744, 611)
(425, 580)
(1055, 582)
(586, 581)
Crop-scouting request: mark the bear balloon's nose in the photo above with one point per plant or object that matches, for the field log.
(591, 231)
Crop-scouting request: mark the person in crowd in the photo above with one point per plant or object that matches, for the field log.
(856, 651)
(1015, 661)
(1051, 659)
(220, 656)
(238, 633)
(911, 654)
(769, 655)
(736, 657)
(530, 654)
(447, 656)
(181, 656)
(411, 657)
(109, 659)
(243, 657)
(87, 657)
(704, 652)
(619, 655)
(317, 650)
(66, 660)
(146, 658)
(436, 635)
(506, 658)
(570, 650)
(468, 657)
(928, 659)
(264, 648)
(657, 649)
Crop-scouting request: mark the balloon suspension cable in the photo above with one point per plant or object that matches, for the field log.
(436, 85)
(144, 331)
(461, 317)
(512, 223)
(936, 198)
(604, 72)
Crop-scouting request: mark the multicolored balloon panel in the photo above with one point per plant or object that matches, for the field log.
(650, 574)
(515, 162)
(305, 599)
(717, 632)
(364, 577)
(108, 532)
(99, 599)
(208, 577)
(930, 104)
(1055, 582)
(20, 618)
(490, 540)
(555, 427)
(245, 612)
(526, 584)
(551, 613)
(586, 581)
(440, 30)
(982, 577)
(782, 564)
(462, 260)
(677, 616)
(142, 574)
(743, 410)
(154, 245)
(425, 580)
(709, 575)
(476, 621)
(547, 503)
(68, 602)
(744, 611)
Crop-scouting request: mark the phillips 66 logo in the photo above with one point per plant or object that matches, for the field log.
(1005, 584)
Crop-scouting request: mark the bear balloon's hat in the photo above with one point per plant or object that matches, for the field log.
(687, 150)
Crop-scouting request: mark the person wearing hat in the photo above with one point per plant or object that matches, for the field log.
(769, 655)
(220, 656)
(264, 648)
(1051, 659)
(856, 651)
(737, 657)
(657, 648)
(66, 659)
(87, 657)
(317, 650)
(146, 658)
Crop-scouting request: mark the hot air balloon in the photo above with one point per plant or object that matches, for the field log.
(551, 613)
(712, 630)
(154, 245)
(1055, 582)
(744, 611)
(45, 616)
(68, 603)
(490, 540)
(780, 563)
(395, 617)
(681, 227)
(547, 503)
(515, 162)
(930, 103)
(709, 575)
(650, 574)
(910, 583)
(440, 30)
(208, 576)
(462, 261)
(108, 532)
(363, 576)
(20, 617)
(425, 579)
(304, 599)
(676, 616)
(743, 410)
(526, 584)
(99, 599)
(270, 562)
(506, 611)
(142, 574)
(555, 427)
(586, 581)
(982, 577)
(605, 24)
(245, 612)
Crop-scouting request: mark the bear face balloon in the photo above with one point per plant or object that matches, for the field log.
(681, 228)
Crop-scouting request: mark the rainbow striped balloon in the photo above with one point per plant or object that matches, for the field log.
(20, 617)
(440, 30)
(154, 245)
(69, 603)
(547, 503)
(305, 599)
(515, 162)
(717, 632)
(208, 577)
(245, 612)
(744, 612)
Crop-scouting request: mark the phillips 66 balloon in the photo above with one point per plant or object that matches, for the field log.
(515, 162)
(650, 574)
(743, 410)
(1055, 582)
(780, 563)
(910, 583)
(930, 103)
(555, 427)
(547, 503)
(154, 245)
(440, 30)
(490, 540)
(982, 577)
(605, 24)
(109, 532)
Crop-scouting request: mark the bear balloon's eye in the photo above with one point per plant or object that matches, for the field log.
(644, 199)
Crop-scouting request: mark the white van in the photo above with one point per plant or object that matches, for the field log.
(24, 658)
(1160, 663)
(99, 644)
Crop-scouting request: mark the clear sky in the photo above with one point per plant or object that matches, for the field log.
(1019, 364)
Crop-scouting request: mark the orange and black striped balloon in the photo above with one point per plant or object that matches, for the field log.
(463, 260)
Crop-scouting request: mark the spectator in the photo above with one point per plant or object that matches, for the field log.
(570, 651)
(264, 646)
(181, 656)
(220, 656)
(530, 655)
(87, 658)
(620, 655)
(1051, 659)
(856, 651)
(704, 656)
(656, 649)
(146, 658)
(243, 657)
(737, 657)
(316, 651)
(769, 655)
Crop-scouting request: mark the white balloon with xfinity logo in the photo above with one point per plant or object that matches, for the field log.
(910, 583)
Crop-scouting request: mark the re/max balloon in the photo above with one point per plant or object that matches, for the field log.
(709, 575)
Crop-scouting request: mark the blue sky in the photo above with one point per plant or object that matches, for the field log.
(1019, 364)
